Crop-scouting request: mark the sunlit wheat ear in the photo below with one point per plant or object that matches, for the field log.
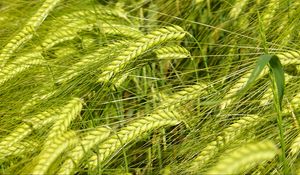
(228, 135)
(67, 114)
(36, 98)
(18, 149)
(119, 30)
(132, 131)
(94, 13)
(166, 52)
(237, 8)
(65, 33)
(237, 86)
(86, 143)
(139, 47)
(25, 129)
(245, 158)
(90, 60)
(28, 30)
(295, 147)
(293, 105)
(53, 150)
(186, 94)
(290, 57)
(269, 12)
(172, 52)
(22, 63)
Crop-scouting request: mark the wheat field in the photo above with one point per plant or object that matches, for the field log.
(146, 87)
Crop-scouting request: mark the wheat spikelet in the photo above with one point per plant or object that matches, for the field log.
(27, 32)
(240, 83)
(68, 113)
(295, 146)
(88, 60)
(172, 52)
(186, 94)
(19, 65)
(141, 46)
(118, 29)
(294, 105)
(290, 57)
(88, 141)
(269, 12)
(132, 131)
(244, 158)
(17, 149)
(51, 151)
(228, 135)
(237, 8)
(65, 33)
(98, 12)
(25, 129)
(38, 97)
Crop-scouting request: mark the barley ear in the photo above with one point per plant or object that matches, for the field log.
(228, 135)
(132, 131)
(239, 84)
(289, 57)
(25, 129)
(245, 158)
(87, 142)
(237, 8)
(51, 152)
(139, 47)
(19, 65)
(186, 94)
(295, 147)
(28, 30)
(172, 52)
(89, 60)
(17, 149)
(68, 113)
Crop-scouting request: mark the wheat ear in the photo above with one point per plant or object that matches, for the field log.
(17, 149)
(99, 12)
(290, 57)
(244, 158)
(87, 142)
(36, 98)
(166, 52)
(188, 93)
(237, 8)
(65, 33)
(28, 30)
(229, 97)
(89, 60)
(68, 113)
(25, 129)
(295, 146)
(173, 52)
(19, 65)
(295, 104)
(269, 12)
(228, 135)
(51, 151)
(139, 47)
(132, 131)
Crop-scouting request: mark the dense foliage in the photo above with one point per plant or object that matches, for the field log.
(149, 87)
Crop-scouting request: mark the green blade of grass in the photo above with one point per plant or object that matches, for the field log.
(278, 86)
